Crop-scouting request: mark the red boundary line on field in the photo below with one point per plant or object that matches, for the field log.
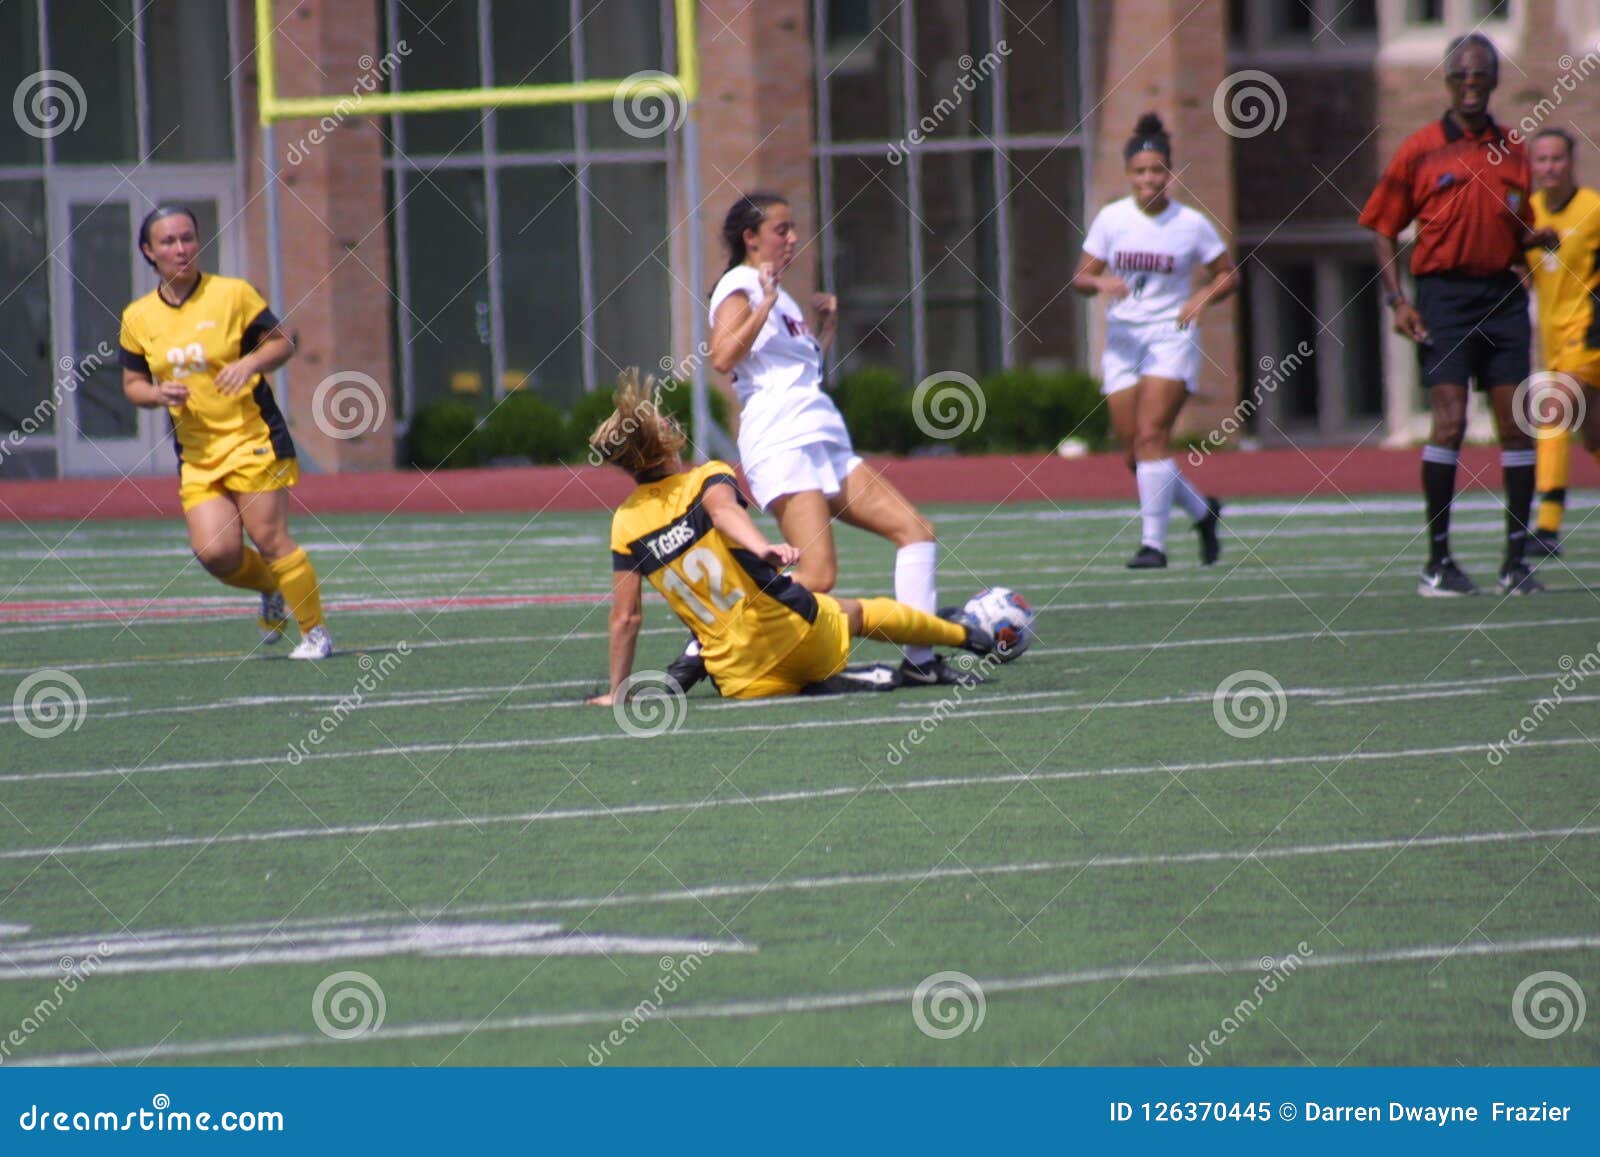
(989, 480)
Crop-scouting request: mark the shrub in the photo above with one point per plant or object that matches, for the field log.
(445, 435)
(525, 426)
(1027, 410)
(876, 405)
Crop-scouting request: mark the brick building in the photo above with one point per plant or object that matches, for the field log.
(942, 155)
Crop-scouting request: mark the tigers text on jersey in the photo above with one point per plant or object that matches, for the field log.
(1566, 281)
(1155, 255)
(221, 320)
(779, 382)
(746, 615)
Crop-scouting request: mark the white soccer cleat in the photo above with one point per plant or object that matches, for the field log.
(274, 617)
(317, 644)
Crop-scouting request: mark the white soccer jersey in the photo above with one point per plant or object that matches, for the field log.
(779, 382)
(1156, 256)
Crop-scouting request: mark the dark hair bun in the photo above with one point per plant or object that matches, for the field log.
(1149, 125)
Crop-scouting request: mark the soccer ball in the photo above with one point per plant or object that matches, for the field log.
(1006, 615)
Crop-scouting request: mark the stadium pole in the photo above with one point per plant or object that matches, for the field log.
(269, 175)
(700, 407)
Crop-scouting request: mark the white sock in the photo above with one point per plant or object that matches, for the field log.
(1156, 482)
(916, 584)
(1186, 496)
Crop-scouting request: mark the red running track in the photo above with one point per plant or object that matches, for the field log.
(990, 480)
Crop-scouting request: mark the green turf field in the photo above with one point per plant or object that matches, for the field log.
(1094, 837)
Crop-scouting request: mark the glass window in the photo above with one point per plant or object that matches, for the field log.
(187, 60)
(93, 43)
(532, 46)
(618, 41)
(1296, 284)
(1425, 11)
(957, 60)
(448, 286)
(1363, 336)
(25, 364)
(1291, 19)
(628, 205)
(1357, 16)
(19, 32)
(1041, 67)
(864, 58)
(540, 279)
(443, 38)
(961, 260)
(1047, 224)
(102, 283)
(872, 263)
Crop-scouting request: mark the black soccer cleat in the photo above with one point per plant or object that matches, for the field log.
(1517, 579)
(688, 668)
(1206, 528)
(1543, 544)
(1148, 558)
(937, 673)
(1444, 580)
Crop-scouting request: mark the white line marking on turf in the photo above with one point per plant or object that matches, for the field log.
(252, 931)
(798, 795)
(822, 1002)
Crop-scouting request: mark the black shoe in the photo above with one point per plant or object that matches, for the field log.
(1148, 558)
(688, 668)
(937, 673)
(1543, 544)
(1445, 579)
(1517, 579)
(1206, 528)
(864, 677)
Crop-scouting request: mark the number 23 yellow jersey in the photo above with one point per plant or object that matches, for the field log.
(221, 320)
(746, 615)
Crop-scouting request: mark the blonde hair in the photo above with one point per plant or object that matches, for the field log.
(638, 437)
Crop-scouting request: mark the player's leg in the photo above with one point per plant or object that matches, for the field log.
(1552, 444)
(869, 501)
(803, 519)
(266, 517)
(1517, 466)
(217, 539)
(1176, 355)
(891, 621)
(1448, 406)
(1158, 402)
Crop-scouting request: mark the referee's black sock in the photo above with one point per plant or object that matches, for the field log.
(1518, 467)
(1438, 491)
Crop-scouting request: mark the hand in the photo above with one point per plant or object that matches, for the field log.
(172, 393)
(604, 700)
(1545, 238)
(1408, 323)
(233, 377)
(1112, 286)
(768, 275)
(781, 554)
(1191, 310)
(826, 306)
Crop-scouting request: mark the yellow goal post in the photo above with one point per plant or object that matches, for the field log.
(684, 86)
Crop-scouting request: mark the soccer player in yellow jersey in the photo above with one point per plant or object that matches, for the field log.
(199, 345)
(1566, 282)
(686, 531)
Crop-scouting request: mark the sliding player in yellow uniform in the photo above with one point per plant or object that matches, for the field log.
(686, 531)
(1566, 282)
(199, 345)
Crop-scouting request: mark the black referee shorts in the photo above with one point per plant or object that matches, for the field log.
(1479, 329)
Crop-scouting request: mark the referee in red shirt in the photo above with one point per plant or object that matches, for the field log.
(1466, 186)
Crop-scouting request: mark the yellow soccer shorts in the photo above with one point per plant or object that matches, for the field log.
(818, 656)
(248, 470)
(1574, 357)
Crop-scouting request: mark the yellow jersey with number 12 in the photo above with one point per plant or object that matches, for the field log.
(1566, 281)
(747, 616)
(221, 320)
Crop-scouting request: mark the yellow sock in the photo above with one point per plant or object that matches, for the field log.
(892, 622)
(299, 583)
(253, 574)
(1552, 467)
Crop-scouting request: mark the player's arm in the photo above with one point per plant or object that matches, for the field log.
(1091, 278)
(737, 323)
(1221, 281)
(275, 348)
(826, 308)
(1407, 321)
(627, 615)
(140, 388)
(740, 529)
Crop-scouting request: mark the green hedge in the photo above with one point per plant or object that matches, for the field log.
(1022, 411)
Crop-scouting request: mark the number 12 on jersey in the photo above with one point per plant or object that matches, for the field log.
(700, 586)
